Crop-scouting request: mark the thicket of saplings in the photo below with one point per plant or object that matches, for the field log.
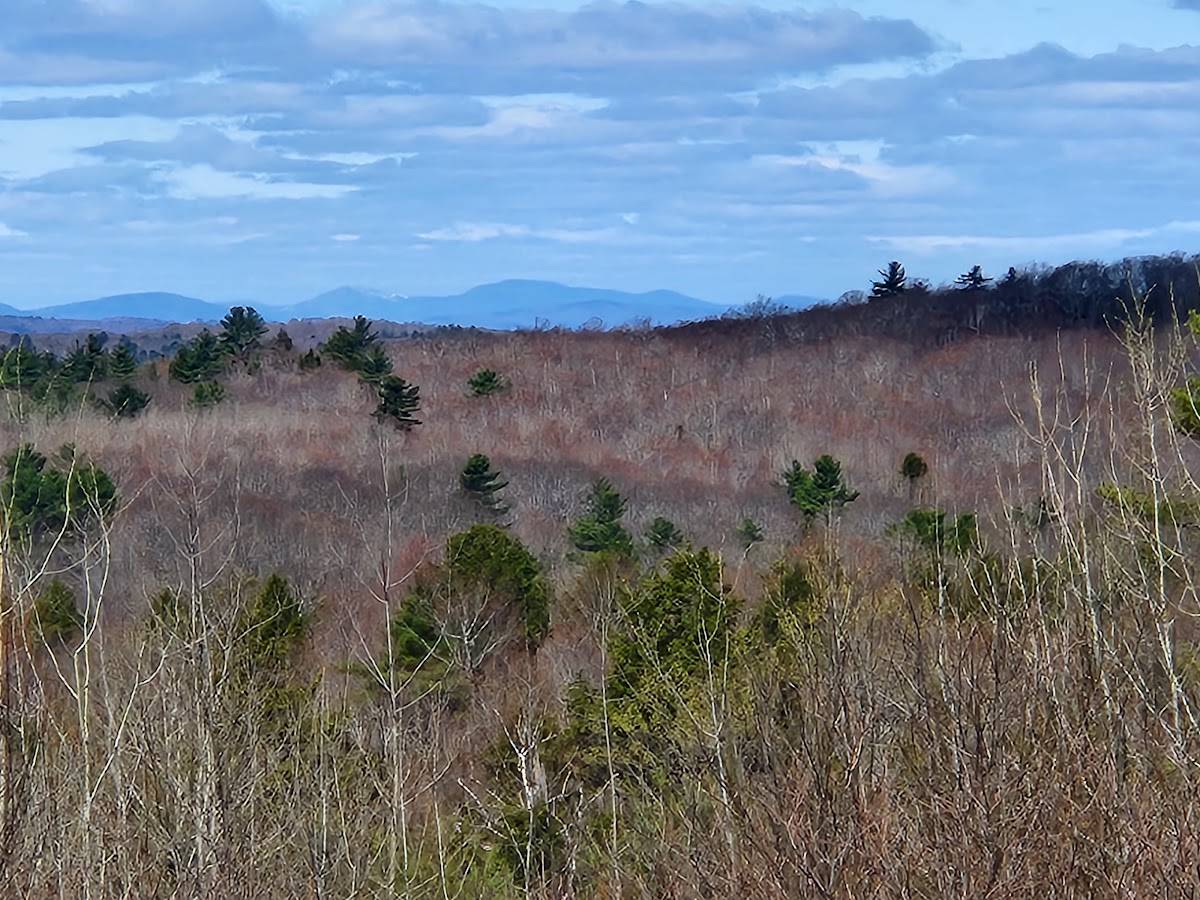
(978, 706)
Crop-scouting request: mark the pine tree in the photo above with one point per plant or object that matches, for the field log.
(122, 362)
(208, 394)
(273, 626)
(348, 346)
(398, 401)
(54, 616)
(894, 283)
(481, 483)
(282, 343)
(87, 362)
(750, 533)
(912, 469)
(242, 330)
(599, 530)
(200, 359)
(374, 365)
(662, 534)
(486, 382)
(310, 360)
(974, 280)
(821, 491)
(22, 365)
(126, 401)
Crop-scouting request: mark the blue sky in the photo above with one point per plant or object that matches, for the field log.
(267, 151)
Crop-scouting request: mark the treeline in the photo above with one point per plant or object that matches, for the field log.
(1026, 301)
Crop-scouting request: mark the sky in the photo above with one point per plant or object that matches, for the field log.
(268, 150)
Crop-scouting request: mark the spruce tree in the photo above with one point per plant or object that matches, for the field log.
(599, 529)
(481, 483)
(398, 401)
(894, 283)
(242, 330)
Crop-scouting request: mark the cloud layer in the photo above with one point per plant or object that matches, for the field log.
(722, 149)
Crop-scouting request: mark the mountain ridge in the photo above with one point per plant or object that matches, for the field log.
(502, 305)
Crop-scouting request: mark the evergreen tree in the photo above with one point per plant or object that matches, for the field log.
(122, 362)
(398, 401)
(821, 491)
(599, 530)
(54, 617)
(87, 362)
(481, 483)
(662, 534)
(974, 280)
(273, 626)
(126, 401)
(208, 394)
(310, 360)
(282, 342)
(487, 557)
(242, 330)
(200, 359)
(374, 365)
(486, 382)
(912, 469)
(39, 499)
(22, 365)
(894, 282)
(348, 346)
(750, 533)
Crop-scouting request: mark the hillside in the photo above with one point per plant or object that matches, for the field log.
(296, 599)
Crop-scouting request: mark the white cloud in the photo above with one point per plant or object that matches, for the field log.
(474, 232)
(203, 182)
(7, 232)
(345, 238)
(1080, 241)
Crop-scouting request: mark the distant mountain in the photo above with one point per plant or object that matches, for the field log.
(159, 307)
(510, 304)
(344, 302)
(502, 305)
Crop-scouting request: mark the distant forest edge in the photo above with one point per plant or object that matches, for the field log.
(1027, 301)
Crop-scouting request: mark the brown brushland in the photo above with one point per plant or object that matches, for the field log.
(847, 709)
